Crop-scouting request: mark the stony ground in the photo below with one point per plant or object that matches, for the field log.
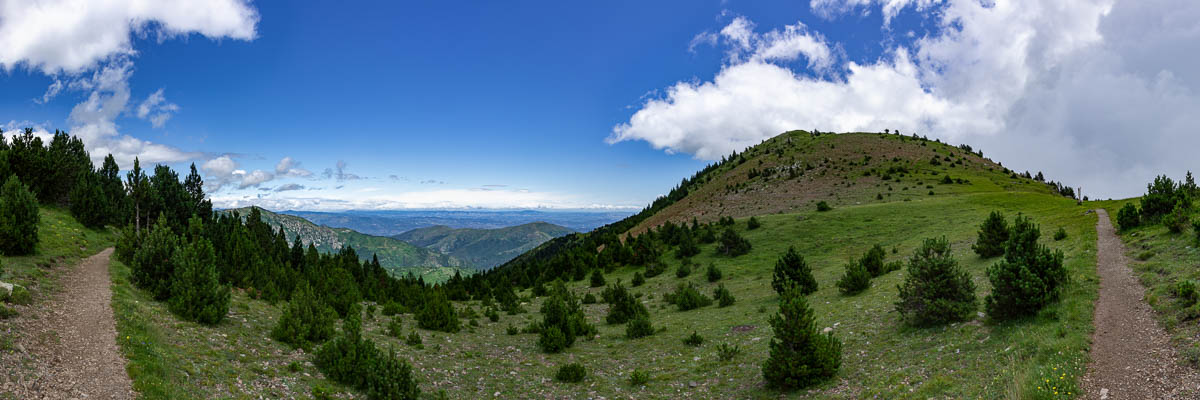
(1132, 357)
(66, 347)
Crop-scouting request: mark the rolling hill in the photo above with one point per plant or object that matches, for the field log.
(484, 248)
(395, 255)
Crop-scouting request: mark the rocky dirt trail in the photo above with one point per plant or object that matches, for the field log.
(67, 347)
(1132, 357)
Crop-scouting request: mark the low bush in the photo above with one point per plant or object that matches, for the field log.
(19, 218)
(800, 355)
(512, 330)
(936, 290)
(639, 378)
(1128, 217)
(413, 339)
(196, 291)
(713, 273)
(354, 361)
(562, 320)
(993, 233)
(1029, 276)
(855, 280)
(727, 352)
(1177, 219)
(873, 261)
(20, 296)
(622, 306)
(638, 279)
(694, 339)
(823, 206)
(597, 279)
(570, 373)
(753, 224)
(1060, 234)
(683, 271)
(437, 314)
(639, 327)
(395, 328)
(589, 298)
(731, 244)
(306, 320)
(723, 296)
(1186, 291)
(792, 272)
(686, 297)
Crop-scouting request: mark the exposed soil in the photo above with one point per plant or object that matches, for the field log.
(67, 346)
(1132, 357)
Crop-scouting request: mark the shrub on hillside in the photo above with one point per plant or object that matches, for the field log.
(392, 308)
(694, 339)
(562, 320)
(639, 378)
(196, 291)
(1060, 234)
(87, 201)
(655, 269)
(128, 243)
(437, 314)
(873, 261)
(687, 246)
(992, 236)
(1186, 291)
(686, 297)
(1029, 276)
(723, 296)
(19, 218)
(855, 280)
(1177, 219)
(713, 273)
(597, 279)
(935, 289)
(792, 272)
(800, 355)
(732, 244)
(1161, 197)
(1128, 217)
(154, 262)
(414, 340)
(395, 327)
(354, 361)
(823, 206)
(306, 320)
(639, 327)
(683, 271)
(753, 224)
(638, 279)
(570, 373)
(589, 298)
(622, 305)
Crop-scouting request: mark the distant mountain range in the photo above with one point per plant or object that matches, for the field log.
(395, 222)
(434, 253)
(484, 248)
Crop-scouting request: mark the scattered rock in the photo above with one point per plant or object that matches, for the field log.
(1103, 393)
(827, 330)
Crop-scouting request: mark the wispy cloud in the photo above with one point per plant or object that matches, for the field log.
(339, 173)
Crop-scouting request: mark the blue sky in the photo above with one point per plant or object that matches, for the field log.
(553, 104)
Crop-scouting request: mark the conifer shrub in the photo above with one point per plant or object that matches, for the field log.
(993, 233)
(683, 271)
(196, 290)
(687, 246)
(622, 306)
(305, 320)
(1196, 230)
(1161, 197)
(437, 314)
(20, 296)
(855, 280)
(1029, 276)
(800, 355)
(823, 206)
(154, 262)
(638, 279)
(87, 202)
(1186, 291)
(638, 327)
(1060, 234)
(639, 378)
(936, 290)
(723, 296)
(356, 362)
(1128, 217)
(655, 269)
(392, 308)
(414, 340)
(873, 261)
(792, 272)
(597, 279)
(512, 330)
(694, 339)
(686, 297)
(395, 328)
(570, 373)
(732, 244)
(589, 298)
(753, 224)
(128, 243)
(1177, 219)
(713, 273)
(19, 218)
(727, 352)
(562, 320)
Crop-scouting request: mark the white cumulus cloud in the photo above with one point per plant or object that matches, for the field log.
(1097, 93)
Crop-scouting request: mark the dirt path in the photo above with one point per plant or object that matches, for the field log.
(1132, 357)
(71, 340)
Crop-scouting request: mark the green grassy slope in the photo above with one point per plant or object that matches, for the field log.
(484, 248)
(62, 242)
(395, 255)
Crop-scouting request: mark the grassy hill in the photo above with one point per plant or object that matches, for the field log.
(884, 190)
(395, 255)
(484, 248)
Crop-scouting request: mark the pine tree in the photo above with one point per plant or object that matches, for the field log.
(305, 320)
(732, 244)
(562, 320)
(855, 280)
(438, 314)
(154, 262)
(19, 218)
(791, 271)
(873, 261)
(622, 305)
(992, 236)
(800, 356)
(109, 177)
(1029, 276)
(936, 290)
(88, 204)
(597, 279)
(138, 185)
(196, 292)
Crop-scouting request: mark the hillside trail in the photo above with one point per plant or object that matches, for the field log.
(71, 340)
(1131, 356)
